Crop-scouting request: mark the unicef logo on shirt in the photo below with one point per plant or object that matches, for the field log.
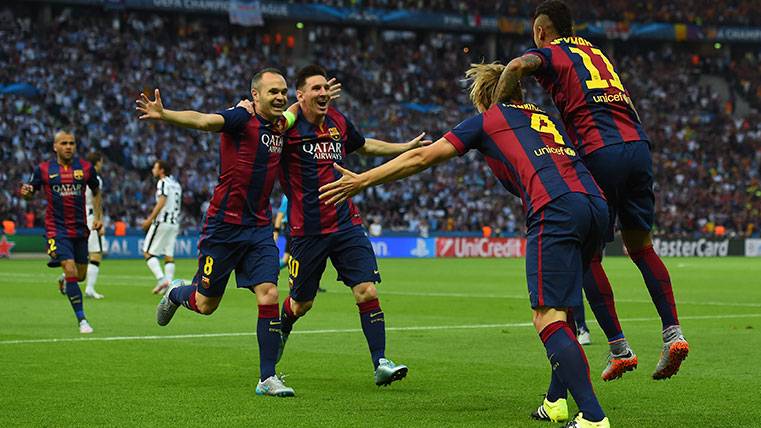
(328, 150)
(273, 142)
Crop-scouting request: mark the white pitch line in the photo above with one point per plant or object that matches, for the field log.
(332, 331)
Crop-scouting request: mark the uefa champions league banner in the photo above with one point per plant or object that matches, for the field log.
(131, 247)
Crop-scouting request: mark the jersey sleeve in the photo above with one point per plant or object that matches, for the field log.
(354, 139)
(467, 135)
(161, 188)
(236, 119)
(544, 54)
(93, 181)
(36, 178)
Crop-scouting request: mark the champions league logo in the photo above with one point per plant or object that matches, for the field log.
(273, 142)
(327, 150)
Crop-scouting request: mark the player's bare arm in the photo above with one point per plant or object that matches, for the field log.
(513, 73)
(409, 163)
(97, 205)
(375, 147)
(156, 210)
(154, 110)
(278, 224)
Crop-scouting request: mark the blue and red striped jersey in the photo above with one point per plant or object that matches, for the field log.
(64, 186)
(249, 157)
(308, 158)
(528, 151)
(595, 107)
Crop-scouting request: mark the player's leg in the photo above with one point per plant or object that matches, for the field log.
(95, 248)
(637, 218)
(216, 261)
(168, 244)
(305, 267)
(582, 331)
(555, 261)
(354, 259)
(268, 334)
(72, 259)
(151, 253)
(610, 169)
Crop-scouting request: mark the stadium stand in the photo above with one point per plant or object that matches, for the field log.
(707, 157)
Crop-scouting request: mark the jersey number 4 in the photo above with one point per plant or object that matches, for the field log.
(595, 81)
(542, 123)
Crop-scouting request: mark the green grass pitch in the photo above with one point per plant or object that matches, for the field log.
(462, 326)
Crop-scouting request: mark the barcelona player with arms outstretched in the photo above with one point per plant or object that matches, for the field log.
(64, 179)
(566, 218)
(320, 136)
(603, 124)
(237, 231)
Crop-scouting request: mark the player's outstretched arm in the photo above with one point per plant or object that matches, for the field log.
(406, 164)
(513, 73)
(374, 147)
(154, 110)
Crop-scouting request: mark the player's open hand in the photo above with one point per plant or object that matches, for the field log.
(26, 191)
(340, 190)
(248, 105)
(335, 89)
(419, 141)
(150, 109)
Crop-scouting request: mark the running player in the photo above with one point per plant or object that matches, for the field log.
(321, 136)
(95, 241)
(63, 180)
(162, 226)
(237, 230)
(530, 154)
(281, 226)
(605, 128)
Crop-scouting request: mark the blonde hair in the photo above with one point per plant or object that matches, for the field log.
(484, 79)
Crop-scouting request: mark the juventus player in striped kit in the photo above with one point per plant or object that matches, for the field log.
(95, 243)
(163, 225)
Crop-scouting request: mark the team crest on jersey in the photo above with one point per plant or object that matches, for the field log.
(205, 282)
(334, 133)
(78, 174)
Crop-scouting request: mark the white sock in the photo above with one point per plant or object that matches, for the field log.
(169, 270)
(92, 276)
(155, 266)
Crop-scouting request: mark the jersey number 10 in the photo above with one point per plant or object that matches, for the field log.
(595, 81)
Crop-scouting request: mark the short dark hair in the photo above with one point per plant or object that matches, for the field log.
(94, 157)
(258, 76)
(307, 72)
(560, 15)
(164, 165)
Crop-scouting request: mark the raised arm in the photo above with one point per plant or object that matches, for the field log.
(513, 73)
(404, 165)
(374, 147)
(154, 110)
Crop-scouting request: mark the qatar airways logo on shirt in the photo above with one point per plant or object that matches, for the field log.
(273, 142)
(326, 150)
(68, 189)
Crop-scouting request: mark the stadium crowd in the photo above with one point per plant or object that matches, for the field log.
(90, 69)
(701, 12)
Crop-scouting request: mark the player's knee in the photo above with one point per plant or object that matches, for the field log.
(636, 240)
(147, 256)
(301, 308)
(207, 307)
(266, 294)
(365, 292)
(168, 259)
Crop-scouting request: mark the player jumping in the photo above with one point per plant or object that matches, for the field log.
(63, 180)
(237, 231)
(606, 130)
(566, 218)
